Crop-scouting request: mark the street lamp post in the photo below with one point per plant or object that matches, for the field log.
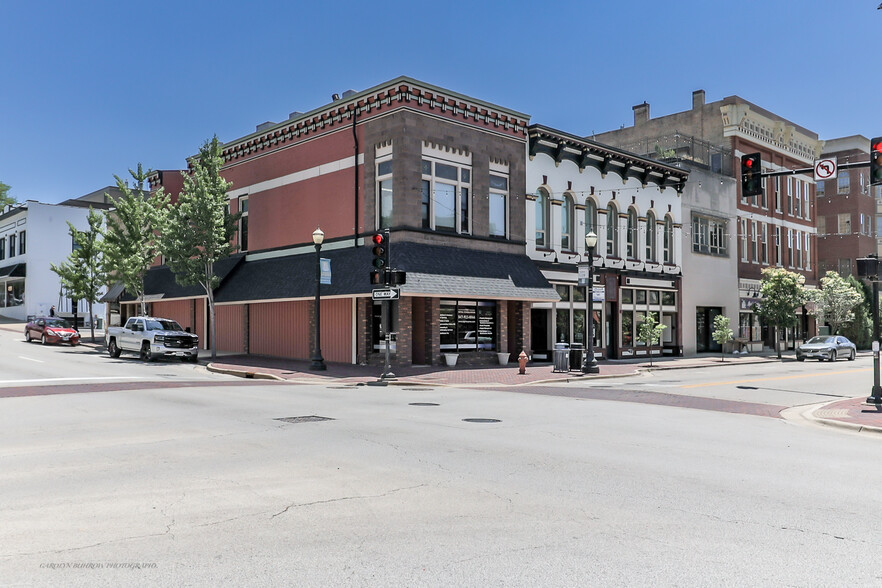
(318, 363)
(589, 363)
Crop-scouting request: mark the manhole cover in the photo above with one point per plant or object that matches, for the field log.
(304, 419)
(482, 420)
(424, 404)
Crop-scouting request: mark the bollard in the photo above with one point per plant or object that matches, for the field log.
(522, 363)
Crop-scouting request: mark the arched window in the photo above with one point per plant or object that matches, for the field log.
(668, 244)
(590, 216)
(612, 230)
(631, 236)
(542, 203)
(567, 212)
(650, 237)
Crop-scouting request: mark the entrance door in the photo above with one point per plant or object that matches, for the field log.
(704, 328)
(611, 333)
(539, 332)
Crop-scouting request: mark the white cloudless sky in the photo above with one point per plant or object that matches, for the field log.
(90, 89)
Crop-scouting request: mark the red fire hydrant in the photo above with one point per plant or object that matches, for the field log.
(522, 363)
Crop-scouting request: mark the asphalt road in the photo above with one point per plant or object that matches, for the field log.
(199, 484)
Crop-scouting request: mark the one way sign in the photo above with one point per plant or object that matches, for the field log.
(385, 293)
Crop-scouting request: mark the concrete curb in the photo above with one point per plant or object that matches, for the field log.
(807, 413)
(243, 373)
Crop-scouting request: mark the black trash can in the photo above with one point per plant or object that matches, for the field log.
(577, 352)
(561, 357)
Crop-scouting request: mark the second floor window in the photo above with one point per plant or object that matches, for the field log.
(843, 182)
(446, 202)
(384, 194)
(11, 245)
(542, 204)
(650, 237)
(243, 224)
(566, 223)
(612, 230)
(3, 248)
(498, 205)
(631, 237)
(668, 240)
(22, 243)
(709, 235)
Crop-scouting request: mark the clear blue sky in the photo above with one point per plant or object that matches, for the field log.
(90, 89)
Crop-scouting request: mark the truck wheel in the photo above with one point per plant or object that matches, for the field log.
(112, 349)
(145, 352)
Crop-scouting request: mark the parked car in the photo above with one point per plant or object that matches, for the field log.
(829, 347)
(152, 338)
(51, 329)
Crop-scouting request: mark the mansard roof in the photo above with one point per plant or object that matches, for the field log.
(585, 152)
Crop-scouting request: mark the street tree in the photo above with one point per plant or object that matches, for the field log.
(130, 239)
(782, 295)
(5, 198)
(722, 333)
(82, 274)
(860, 330)
(650, 332)
(199, 228)
(836, 301)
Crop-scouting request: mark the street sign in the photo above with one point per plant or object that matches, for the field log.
(825, 169)
(385, 293)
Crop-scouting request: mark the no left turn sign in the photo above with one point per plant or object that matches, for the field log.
(825, 169)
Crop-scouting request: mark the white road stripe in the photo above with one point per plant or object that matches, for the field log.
(31, 359)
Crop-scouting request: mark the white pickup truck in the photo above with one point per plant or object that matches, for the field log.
(152, 338)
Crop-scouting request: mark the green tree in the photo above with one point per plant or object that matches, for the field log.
(835, 301)
(82, 275)
(130, 239)
(5, 198)
(650, 332)
(722, 333)
(782, 294)
(199, 228)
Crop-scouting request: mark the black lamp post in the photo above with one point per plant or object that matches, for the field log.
(589, 363)
(318, 363)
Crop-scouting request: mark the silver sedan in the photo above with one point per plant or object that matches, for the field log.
(829, 347)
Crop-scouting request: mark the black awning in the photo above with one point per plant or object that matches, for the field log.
(160, 281)
(432, 270)
(16, 270)
(113, 293)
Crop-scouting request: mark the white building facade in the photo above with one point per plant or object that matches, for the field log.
(33, 236)
(633, 205)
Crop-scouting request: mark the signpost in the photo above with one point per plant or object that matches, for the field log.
(385, 294)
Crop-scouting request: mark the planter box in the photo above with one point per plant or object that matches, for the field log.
(503, 358)
(450, 359)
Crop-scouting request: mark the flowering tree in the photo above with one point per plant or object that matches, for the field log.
(782, 294)
(836, 301)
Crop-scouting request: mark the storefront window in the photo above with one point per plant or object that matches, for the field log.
(467, 325)
(378, 337)
(669, 298)
(653, 297)
(15, 294)
(563, 325)
(579, 326)
(627, 328)
(563, 291)
(627, 296)
(641, 297)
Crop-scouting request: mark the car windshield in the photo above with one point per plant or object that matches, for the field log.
(163, 325)
(820, 339)
(57, 323)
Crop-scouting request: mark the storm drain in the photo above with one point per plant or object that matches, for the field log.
(424, 404)
(304, 419)
(482, 420)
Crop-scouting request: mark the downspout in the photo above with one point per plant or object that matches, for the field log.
(355, 171)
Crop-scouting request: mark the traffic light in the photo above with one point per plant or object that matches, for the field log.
(751, 178)
(380, 263)
(876, 161)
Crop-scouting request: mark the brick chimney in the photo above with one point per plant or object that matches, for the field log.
(641, 113)
(697, 99)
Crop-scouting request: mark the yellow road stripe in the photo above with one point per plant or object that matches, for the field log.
(777, 378)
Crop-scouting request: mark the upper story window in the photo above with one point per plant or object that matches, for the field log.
(11, 245)
(542, 204)
(843, 185)
(384, 193)
(3, 248)
(798, 201)
(612, 230)
(22, 242)
(590, 216)
(650, 237)
(445, 188)
(498, 205)
(668, 240)
(567, 212)
(709, 235)
(819, 188)
(631, 236)
(243, 223)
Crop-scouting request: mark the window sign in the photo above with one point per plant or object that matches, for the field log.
(467, 325)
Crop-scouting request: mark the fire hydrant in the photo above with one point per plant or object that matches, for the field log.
(522, 363)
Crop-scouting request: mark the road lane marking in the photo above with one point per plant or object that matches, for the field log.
(730, 382)
(31, 359)
(85, 379)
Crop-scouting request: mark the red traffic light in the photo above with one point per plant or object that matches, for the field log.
(748, 162)
(877, 146)
(379, 238)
